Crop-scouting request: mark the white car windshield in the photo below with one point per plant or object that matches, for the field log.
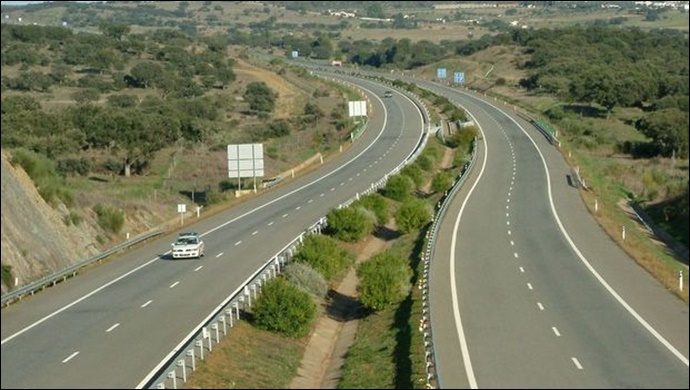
(186, 241)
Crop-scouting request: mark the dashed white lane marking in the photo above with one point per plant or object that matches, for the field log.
(255, 232)
(529, 286)
(515, 254)
(508, 231)
(512, 243)
(285, 215)
(219, 255)
(577, 363)
(68, 358)
(555, 330)
(112, 327)
(198, 268)
(522, 270)
(298, 207)
(508, 223)
(310, 201)
(146, 304)
(270, 223)
(541, 307)
(174, 284)
(322, 195)
(238, 243)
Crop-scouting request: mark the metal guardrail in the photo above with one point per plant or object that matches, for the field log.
(425, 323)
(201, 340)
(59, 276)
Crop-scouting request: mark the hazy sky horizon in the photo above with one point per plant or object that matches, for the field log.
(18, 3)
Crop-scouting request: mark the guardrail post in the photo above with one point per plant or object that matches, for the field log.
(190, 353)
(171, 375)
(229, 313)
(181, 363)
(200, 344)
(215, 327)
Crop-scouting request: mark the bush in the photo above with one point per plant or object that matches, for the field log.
(384, 280)
(412, 215)
(349, 224)
(42, 172)
(109, 218)
(399, 187)
(426, 162)
(307, 278)
(377, 204)
(324, 255)
(441, 182)
(284, 308)
(414, 172)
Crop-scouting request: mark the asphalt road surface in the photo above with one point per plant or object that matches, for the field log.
(527, 291)
(111, 325)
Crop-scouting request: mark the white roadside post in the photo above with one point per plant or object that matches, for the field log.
(181, 208)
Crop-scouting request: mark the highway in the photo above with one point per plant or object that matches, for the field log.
(527, 291)
(111, 325)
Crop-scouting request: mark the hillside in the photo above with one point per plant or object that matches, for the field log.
(35, 240)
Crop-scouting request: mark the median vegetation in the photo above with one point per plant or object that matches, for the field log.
(389, 350)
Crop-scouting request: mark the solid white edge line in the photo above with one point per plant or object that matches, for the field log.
(453, 283)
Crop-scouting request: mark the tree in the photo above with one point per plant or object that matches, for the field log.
(668, 130)
(375, 10)
(145, 73)
(260, 97)
(116, 31)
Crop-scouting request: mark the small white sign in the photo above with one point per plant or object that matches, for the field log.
(181, 208)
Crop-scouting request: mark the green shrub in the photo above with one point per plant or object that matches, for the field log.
(441, 182)
(7, 275)
(399, 187)
(377, 204)
(73, 218)
(350, 224)
(324, 255)
(284, 308)
(412, 215)
(425, 162)
(384, 280)
(304, 276)
(109, 218)
(414, 172)
(49, 184)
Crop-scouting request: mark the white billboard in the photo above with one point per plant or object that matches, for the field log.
(357, 108)
(245, 160)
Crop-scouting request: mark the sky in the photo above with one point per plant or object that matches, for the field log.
(32, 2)
(20, 2)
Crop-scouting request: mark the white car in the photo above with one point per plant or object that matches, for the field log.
(188, 245)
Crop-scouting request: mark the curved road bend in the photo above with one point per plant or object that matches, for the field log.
(530, 294)
(111, 325)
